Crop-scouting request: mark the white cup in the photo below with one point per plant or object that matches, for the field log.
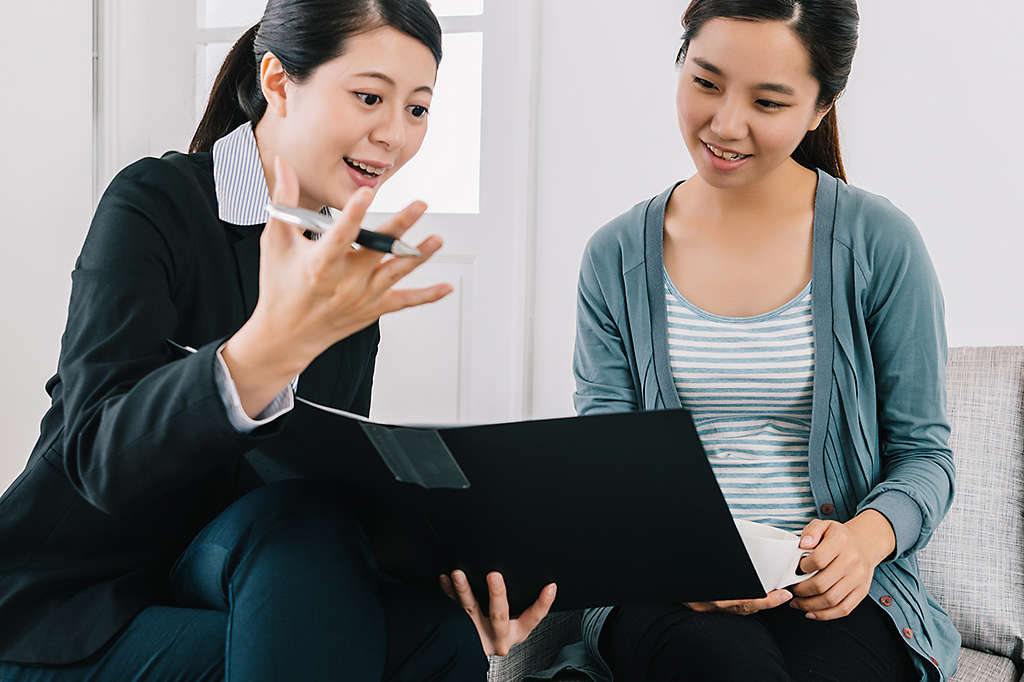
(775, 553)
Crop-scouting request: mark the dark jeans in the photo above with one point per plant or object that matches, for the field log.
(667, 643)
(280, 586)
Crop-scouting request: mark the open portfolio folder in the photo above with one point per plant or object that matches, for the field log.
(615, 508)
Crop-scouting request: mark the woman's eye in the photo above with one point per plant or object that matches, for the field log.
(367, 98)
(768, 104)
(418, 111)
(707, 85)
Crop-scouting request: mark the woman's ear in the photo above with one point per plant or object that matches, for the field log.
(273, 80)
(820, 115)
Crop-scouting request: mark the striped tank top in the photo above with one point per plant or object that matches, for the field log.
(748, 383)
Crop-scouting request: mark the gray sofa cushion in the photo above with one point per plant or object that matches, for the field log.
(974, 565)
(976, 666)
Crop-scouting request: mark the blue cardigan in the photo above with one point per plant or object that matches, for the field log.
(879, 435)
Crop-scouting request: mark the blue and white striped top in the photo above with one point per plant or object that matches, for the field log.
(748, 383)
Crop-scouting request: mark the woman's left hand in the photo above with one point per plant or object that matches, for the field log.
(497, 632)
(845, 556)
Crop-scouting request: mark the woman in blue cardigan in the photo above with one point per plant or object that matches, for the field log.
(800, 320)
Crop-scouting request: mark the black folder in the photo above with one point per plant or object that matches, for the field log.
(616, 508)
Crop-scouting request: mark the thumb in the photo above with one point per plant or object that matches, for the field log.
(812, 534)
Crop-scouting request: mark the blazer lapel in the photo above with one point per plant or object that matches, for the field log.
(247, 254)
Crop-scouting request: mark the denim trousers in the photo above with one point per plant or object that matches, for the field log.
(280, 586)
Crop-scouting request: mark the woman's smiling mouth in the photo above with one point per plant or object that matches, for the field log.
(726, 154)
(369, 169)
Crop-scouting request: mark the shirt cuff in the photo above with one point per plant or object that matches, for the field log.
(243, 423)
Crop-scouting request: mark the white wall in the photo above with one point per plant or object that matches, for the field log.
(46, 166)
(930, 120)
(606, 139)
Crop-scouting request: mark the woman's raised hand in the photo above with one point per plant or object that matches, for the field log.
(313, 294)
(498, 633)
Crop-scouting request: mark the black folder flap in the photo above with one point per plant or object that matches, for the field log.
(617, 508)
(416, 456)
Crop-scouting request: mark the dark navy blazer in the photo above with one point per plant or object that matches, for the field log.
(136, 453)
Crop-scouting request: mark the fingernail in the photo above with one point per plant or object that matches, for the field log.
(551, 589)
(811, 616)
(459, 578)
(806, 541)
(787, 594)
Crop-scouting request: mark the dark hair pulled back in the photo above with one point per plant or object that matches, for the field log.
(302, 34)
(827, 29)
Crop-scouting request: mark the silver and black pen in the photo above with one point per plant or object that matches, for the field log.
(319, 223)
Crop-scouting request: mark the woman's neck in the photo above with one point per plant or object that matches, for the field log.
(782, 192)
(266, 144)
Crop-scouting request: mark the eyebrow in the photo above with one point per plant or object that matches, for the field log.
(391, 81)
(774, 87)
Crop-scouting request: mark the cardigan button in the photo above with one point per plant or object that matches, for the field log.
(886, 600)
(827, 508)
(908, 633)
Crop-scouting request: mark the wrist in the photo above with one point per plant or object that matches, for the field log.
(260, 364)
(876, 533)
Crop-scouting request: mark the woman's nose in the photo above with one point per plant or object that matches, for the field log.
(729, 122)
(389, 131)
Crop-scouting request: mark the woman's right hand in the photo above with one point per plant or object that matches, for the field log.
(313, 294)
(743, 607)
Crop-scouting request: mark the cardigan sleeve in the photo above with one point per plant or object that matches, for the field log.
(904, 315)
(141, 418)
(604, 380)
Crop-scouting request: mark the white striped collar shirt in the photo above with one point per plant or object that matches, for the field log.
(238, 179)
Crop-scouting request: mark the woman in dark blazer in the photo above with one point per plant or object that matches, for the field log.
(139, 543)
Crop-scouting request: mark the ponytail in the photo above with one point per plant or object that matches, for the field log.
(236, 96)
(820, 148)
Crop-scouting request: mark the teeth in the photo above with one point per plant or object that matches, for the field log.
(723, 155)
(369, 169)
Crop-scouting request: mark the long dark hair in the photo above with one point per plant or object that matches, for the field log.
(828, 29)
(302, 34)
